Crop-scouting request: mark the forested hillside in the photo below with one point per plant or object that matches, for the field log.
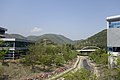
(99, 40)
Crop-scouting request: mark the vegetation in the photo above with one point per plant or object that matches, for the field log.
(47, 55)
(99, 40)
(99, 57)
(18, 36)
(81, 74)
(111, 73)
(118, 69)
(2, 51)
(59, 39)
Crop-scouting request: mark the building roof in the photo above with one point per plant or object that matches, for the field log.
(3, 29)
(86, 50)
(15, 39)
(113, 18)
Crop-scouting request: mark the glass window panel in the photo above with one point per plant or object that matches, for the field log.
(7, 44)
(114, 24)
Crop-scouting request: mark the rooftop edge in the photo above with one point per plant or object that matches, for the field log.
(113, 18)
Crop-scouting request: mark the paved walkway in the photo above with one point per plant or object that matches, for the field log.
(77, 66)
(74, 67)
(95, 69)
(80, 64)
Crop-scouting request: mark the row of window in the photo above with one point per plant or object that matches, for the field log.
(114, 24)
(114, 49)
(14, 44)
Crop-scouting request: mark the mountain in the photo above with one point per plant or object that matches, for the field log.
(18, 36)
(99, 40)
(59, 39)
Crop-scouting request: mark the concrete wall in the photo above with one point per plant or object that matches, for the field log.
(113, 37)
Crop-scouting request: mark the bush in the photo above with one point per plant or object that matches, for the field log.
(45, 55)
(81, 74)
(99, 56)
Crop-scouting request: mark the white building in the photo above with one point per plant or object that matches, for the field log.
(16, 47)
(113, 38)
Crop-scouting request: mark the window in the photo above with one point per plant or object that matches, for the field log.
(116, 49)
(7, 44)
(110, 49)
(114, 24)
(21, 44)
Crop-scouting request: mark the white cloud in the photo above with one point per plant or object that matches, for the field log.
(36, 29)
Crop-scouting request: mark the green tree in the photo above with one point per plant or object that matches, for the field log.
(49, 54)
(59, 60)
(118, 68)
(2, 51)
(46, 60)
(32, 58)
(81, 74)
(99, 56)
(104, 59)
(118, 62)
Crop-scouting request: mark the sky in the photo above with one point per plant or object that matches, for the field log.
(75, 19)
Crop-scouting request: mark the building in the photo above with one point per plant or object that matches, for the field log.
(16, 47)
(2, 32)
(113, 38)
(87, 50)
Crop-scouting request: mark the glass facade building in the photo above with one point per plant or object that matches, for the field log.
(113, 38)
(16, 47)
(2, 32)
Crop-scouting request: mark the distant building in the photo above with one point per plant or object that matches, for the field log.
(87, 50)
(2, 32)
(113, 38)
(16, 47)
